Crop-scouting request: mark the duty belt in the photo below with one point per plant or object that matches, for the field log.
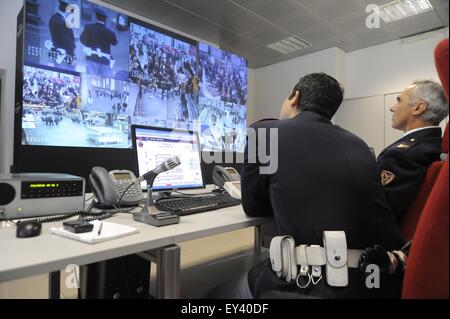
(285, 258)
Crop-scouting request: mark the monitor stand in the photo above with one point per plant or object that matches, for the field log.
(150, 215)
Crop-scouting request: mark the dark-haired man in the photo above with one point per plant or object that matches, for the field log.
(327, 179)
(403, 165)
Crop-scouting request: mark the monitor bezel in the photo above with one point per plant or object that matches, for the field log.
(135, 153)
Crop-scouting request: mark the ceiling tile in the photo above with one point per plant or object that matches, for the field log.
(351, 23)
(211, 9)
(267, 35)
(423, 22)
(441, 7)
(242, 22)
(216, 34)
(248, 26)
(300, 23)
(337, 9)
(271, 10)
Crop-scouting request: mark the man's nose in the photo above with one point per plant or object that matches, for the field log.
(392, 109)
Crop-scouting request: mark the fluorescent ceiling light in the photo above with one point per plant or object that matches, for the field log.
(289, 45)
(401, 9)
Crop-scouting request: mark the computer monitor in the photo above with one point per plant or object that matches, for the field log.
(154, 145)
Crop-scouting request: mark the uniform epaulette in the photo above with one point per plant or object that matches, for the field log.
(406, 145)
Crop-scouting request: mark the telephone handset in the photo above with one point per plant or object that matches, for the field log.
(229, 179)
(108, 187)
(222, 174)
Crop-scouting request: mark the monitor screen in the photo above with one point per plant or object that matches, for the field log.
(153, 145)
(222, 99)
(86, 73)
(90, 72)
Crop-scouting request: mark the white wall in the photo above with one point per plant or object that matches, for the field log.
(377, 70)
(390, 67)
(370, 122)
(273, 83)
(8, 21)
(371, 72)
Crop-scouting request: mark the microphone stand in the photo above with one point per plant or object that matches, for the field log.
(150, 215)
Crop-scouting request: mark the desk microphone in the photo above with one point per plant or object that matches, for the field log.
(150, 214)
(163, 167)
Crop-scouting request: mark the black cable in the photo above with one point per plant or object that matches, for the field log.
(82, 214)
(121, 196)
(85, 215)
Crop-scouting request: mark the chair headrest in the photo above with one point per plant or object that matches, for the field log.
(441, 61)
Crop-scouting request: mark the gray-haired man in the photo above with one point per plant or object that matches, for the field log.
(403, 165)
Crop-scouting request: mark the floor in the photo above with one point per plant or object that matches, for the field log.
(204, 263)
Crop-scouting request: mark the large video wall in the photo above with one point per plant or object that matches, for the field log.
(91, 72)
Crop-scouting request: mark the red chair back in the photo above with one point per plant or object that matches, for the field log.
(409, 221)
(426, 274)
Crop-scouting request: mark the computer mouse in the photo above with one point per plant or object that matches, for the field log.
(28, 229)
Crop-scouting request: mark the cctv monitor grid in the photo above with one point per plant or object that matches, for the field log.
(84, 85)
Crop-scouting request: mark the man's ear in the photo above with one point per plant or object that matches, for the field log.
(420, 108)
(294, 101)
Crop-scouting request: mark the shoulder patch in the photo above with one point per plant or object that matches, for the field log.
(387, 177)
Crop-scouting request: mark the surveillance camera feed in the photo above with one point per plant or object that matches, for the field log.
(90, 72)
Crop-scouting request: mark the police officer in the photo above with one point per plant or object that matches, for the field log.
(403, 165)
(99, 39)
(327, 179)
(62, 36)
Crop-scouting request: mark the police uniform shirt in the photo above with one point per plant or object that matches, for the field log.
(404, 164)
(327, 179)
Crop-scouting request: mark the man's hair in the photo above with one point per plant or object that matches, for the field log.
(433, 94)
(100, 14)
(63, 5)
(319, 93)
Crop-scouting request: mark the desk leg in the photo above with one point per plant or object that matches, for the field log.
(168, 273)
(54, 285)
(257, 247)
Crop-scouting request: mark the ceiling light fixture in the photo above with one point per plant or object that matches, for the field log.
(401, 9)
(289, 45)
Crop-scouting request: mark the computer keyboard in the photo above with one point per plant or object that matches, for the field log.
(186, 205)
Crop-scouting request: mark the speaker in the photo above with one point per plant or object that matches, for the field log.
(7, 194)
(119, 278)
